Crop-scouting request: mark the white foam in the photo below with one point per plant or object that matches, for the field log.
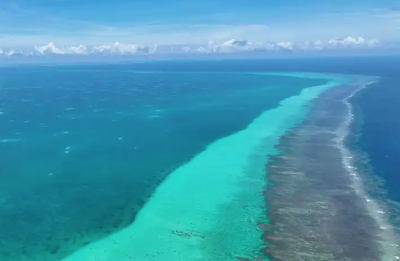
(9, 140)
(387, 232)
(67, 150)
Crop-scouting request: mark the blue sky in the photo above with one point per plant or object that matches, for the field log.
(146, 22)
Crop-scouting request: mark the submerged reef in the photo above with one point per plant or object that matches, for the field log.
(317, 207)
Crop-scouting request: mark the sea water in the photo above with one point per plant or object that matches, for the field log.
(81, 143)
(84, 149)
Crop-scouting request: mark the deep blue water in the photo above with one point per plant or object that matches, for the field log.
(378, 109)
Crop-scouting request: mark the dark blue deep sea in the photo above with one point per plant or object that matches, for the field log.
(377, 109)
(62, 127)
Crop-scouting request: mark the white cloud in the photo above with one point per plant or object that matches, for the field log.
(352, 42)
(12, 53)
(119, 48)
(116, 48)
(228, 46)
(80, 49)
(341, 44)
(49, 49)
(234, 46)
(231, 46)
(285, 45)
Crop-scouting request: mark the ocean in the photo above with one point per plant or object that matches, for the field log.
(172, 160)
(379, 120)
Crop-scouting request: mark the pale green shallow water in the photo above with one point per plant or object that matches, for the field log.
(208, 208)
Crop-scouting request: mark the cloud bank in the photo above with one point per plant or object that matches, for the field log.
(229, 46)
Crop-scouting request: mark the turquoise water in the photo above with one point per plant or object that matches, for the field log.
(83, 150)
